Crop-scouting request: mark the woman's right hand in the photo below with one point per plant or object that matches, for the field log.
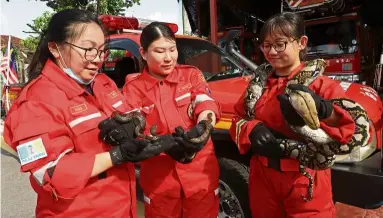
(112, 132)
(126, 147)
(264, 143)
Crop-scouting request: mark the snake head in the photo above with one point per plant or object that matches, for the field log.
(304, 105)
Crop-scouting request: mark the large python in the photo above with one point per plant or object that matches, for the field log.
(317, 150)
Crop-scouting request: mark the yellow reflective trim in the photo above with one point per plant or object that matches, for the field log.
(223, 125)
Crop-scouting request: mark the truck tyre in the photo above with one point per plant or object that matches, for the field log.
(233, 189)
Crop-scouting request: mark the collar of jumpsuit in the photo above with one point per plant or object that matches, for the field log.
(63, 81)
(281, 81)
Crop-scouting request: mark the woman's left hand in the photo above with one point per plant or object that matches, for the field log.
(323, 106)
(182, 136)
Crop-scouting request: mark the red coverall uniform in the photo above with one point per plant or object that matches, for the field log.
(58, 120)
(173, 189)
(276, 193)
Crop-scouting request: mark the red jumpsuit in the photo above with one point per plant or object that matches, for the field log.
(53, 126)
(173, 189)
(276, 193)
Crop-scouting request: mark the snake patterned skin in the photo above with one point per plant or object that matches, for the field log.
(140, 122)
(317, 150)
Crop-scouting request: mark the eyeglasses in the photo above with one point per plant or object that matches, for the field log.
(92, 53)
(279, 46)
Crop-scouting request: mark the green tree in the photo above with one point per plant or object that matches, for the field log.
(114, 7)
(40, 24)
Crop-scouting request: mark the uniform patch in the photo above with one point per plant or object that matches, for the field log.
(113, 94)
(187, 86)
(31, 151)
(78, 108)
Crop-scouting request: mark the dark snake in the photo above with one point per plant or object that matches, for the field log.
(140, 122)
(206, 134)
(317, 150)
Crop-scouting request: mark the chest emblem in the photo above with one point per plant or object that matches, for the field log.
(113, 94)
(78, 108)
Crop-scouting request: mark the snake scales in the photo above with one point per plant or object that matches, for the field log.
(140, 122)
(317, 150)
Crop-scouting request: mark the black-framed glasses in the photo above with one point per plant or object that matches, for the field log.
(91, 53)
(278, 46)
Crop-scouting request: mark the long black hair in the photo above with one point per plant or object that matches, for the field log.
(64, 26)
(287, 24)
(151, 33)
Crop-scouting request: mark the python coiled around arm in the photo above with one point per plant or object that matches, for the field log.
(317, 150)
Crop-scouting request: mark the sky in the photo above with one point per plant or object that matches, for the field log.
(15, 14)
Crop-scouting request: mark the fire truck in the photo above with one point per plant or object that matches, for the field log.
(228, 72)
(338, 32)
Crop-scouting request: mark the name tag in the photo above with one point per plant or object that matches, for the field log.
(31, 151)
(78, 108)
(113, 94)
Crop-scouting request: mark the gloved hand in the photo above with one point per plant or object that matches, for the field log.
(139, 150)
(323, 106)
(182, 136)
(264, 143)
(180, 154)
(186, 151)
(113, 132)
(288, 112)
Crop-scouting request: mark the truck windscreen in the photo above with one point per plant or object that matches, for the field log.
(333, 38)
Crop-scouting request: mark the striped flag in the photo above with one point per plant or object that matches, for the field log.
(8, 67)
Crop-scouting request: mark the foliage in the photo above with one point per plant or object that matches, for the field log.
(114, 7)
(116, 54)
(40, 24)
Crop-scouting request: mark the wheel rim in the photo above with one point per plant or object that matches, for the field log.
(229, 206)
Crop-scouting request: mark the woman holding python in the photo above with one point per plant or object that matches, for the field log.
(295, 121)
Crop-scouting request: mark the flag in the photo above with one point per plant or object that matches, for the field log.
(8, 67)
(8, 70)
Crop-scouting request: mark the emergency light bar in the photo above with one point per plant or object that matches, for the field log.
(113, 23)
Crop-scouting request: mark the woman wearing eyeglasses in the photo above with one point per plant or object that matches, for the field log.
(53, 125)
(276, 186)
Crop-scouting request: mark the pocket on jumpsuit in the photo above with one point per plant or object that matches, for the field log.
(185, 109)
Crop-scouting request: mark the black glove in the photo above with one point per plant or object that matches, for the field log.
(324, 107)
(181, 136)
(139, 150)
(180, 154)
(186, 151)
(264, 143)
(113, 132)
(289, 113)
